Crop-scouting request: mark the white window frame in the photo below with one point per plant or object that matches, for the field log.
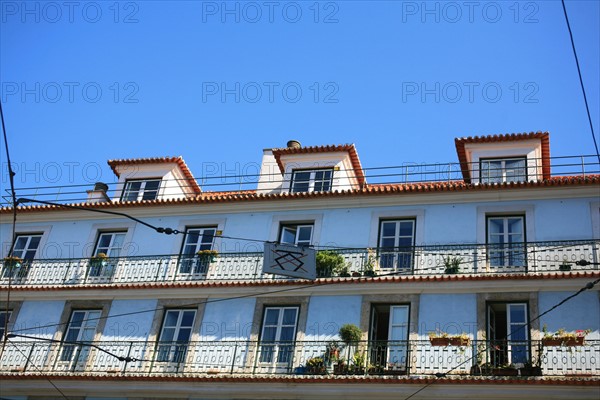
(23, 252)
(510, 341)
(396, 253)
(4, 321)
(139, 196)
(176, 350)
(190, 264)
(89, 323)
(295, 230)
(111, 246)
(272, 350)
(312, 180)
(494, 247)
(498, 174)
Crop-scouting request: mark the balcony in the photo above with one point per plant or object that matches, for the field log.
(408, 358)
(517, 258)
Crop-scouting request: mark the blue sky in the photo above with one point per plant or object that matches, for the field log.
(216, 82)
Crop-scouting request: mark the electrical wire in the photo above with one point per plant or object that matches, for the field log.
(587, 107)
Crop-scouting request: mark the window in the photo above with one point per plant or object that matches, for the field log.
(81, 328)
(136, 190)
(508, 333)
(396, 243)
(196, 239)
(25, 248)
(389, 335)
(175, 335)
(4, 318)
(506, 241)
(500, 170)
(315, 180)
(278, 335)
(109, 243)
(296, 234)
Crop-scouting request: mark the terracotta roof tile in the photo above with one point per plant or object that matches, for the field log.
(368, 190)
(350, 148)
(319, 282)
(158, 160)
(509, 137)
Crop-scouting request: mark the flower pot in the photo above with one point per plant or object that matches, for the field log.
(459, 341)
(205, 259)
(440, 341)
(356, 274)
(564, 267)
(566, 341)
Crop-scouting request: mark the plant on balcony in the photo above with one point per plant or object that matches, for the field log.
(564, 338)
(439, 338)
(328, 263)
(452, 264)
(370, 266)
(315, 365)
(332, 353)
(359, 360)
(98, 260)
(207, 256)
(565, 266)
(350, 334)
(13, 267)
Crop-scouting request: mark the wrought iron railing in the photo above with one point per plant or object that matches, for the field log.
(530, 257)
(418, 357)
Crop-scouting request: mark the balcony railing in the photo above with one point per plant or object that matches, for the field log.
(254, 358)
(531, 257)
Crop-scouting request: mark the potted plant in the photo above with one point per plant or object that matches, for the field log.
(564, 338)
(315, 365)
(452, 264)
(99, 260)
(358, 363)
(12, 267)
(438, 338)
(565, 266)
(350, 334)
(333, 351)
(329, 262)
(207, 256)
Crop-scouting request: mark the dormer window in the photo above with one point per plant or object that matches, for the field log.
(141, 189)
(312, 180)
(499, 170)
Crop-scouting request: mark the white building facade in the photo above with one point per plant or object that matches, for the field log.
(104, 306)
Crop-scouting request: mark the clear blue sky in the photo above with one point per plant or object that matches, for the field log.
(361, 67)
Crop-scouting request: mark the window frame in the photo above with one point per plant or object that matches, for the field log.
(270, 352)
(67, 350)
(297, 226)
(382, 254)
(506, 246)
(502, 169)
(106, 267)
(508, 341)
(188, 263)
(5, 320)
(140, 193)
(312, 179)
(175, 352)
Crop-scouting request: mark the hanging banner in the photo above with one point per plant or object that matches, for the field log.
(289, 260)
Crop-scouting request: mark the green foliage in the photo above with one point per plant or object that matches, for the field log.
(329, 262)
(452, 264)
(350, 333)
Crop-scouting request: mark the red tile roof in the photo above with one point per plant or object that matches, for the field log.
(462, 156)
(367, 190)
(307, 379)
(159, 160)
(349, 148)
(319, 282)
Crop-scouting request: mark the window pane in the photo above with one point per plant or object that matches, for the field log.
(272, 316)
(304, 233)
(269, 334)
(184, 334)
(406, 229)
(289, 316)
(167, 334)
(517, 313)
(515, 225)
(389, 229)
(171, 318)
(21, 242)
(287, 334)
(104, 241)
(188, 318)
(288, 235)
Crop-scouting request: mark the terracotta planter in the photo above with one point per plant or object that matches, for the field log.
(440, 341)
(530, 371)
(449, 341)
(577, 341)
(459, 341)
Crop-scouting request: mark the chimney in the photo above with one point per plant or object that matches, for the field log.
(294, 144)
(98, 194)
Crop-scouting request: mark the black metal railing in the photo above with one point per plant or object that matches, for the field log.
(418, 357)
(530, 257)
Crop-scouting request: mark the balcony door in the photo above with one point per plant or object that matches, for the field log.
(80, 331)
(396, 244)
(196, 239)
(506, 241)
(508, 333)
(278, 335)
(389, 336)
